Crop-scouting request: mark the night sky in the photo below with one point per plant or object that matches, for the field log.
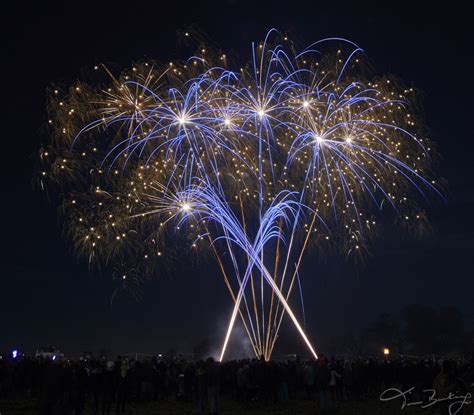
(48, 298)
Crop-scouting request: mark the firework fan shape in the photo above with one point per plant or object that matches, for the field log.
(297, 150)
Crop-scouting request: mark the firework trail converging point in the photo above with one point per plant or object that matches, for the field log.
(298, 150)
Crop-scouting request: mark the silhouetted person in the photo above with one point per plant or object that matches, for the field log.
(108, 384)
(323, 379)
(95, 376)
(213, 384)
(201, 386)
(51, 389)
(123, 384)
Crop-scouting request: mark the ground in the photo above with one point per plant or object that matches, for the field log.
(300, 407)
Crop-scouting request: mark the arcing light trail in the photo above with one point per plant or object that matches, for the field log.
(294, 151)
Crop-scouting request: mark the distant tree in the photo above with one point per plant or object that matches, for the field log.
(467, 344)
(350, 344)
(431, 330)
(420, 328)
(450, 330)
(383, 332)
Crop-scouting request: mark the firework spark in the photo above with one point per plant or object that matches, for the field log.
(296, 150)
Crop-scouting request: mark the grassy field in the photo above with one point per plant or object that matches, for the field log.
(228, 407)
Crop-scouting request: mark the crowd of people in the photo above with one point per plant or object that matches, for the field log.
(110, 386)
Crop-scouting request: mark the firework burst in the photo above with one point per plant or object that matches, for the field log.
(296, 150)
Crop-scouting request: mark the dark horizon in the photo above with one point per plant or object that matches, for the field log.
(49, 298)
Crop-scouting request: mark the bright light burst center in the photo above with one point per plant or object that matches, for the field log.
(318, 139)
(186, 207)
(183, 119)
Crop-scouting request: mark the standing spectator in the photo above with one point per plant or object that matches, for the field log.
(309, 379)
(213, 379)
(51, 389)
(123, 386)
(108, 384)
(347, 381)
(95, 376)
(324, 378)
(335, 379)
(201, 383)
